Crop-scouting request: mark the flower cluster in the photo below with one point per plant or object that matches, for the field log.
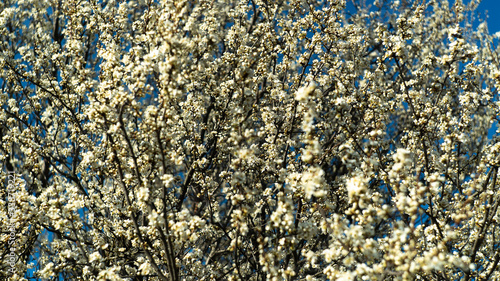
(249, 140)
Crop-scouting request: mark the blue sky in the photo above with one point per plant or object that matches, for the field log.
(492, 7)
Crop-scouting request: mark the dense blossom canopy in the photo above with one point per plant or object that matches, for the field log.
(248, 140)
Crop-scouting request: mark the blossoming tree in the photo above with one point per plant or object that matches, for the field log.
(248, 140)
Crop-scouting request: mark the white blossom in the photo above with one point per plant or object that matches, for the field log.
(230, 140)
